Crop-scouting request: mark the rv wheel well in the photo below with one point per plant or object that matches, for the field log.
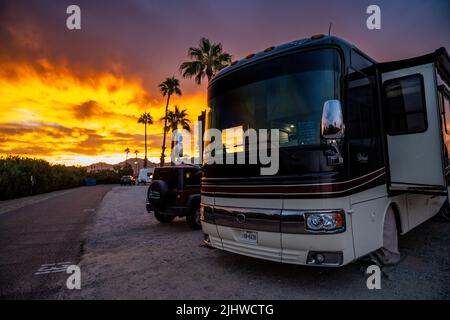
(398, 220)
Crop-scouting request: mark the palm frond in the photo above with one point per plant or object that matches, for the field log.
(170, 86)
(145, 118)
(206, 61)
(205, 45)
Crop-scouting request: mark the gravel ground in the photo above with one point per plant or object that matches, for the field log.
(129, 255)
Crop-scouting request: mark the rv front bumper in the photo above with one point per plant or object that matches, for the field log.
(330, 250)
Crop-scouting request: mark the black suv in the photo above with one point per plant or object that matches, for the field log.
(127, 181)
(175, 192)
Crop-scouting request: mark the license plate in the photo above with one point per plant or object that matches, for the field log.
(249, 237)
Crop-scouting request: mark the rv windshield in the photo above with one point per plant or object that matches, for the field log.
(286, 93)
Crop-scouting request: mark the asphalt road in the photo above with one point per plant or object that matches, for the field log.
(40, 237)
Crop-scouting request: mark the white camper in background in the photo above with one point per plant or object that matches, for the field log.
(145, 176)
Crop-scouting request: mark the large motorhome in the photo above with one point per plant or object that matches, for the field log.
(363, 152)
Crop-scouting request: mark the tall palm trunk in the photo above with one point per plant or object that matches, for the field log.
(145, 158)
(164, 136)
(172, 145)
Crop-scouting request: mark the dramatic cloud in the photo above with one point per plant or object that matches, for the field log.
(49, 112)
(87, 109)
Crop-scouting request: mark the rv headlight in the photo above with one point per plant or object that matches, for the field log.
(324, 221)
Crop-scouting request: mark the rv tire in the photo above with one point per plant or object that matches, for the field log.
(389, 253)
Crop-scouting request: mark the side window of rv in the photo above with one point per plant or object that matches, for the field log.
(405, 105)
(360, 98)
(359, 62)
(362, 117)
(360, 109)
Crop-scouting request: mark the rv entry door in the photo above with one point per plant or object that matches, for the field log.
(413, 128)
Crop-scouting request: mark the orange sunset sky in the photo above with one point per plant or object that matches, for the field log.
(73, 97)
(55, 115)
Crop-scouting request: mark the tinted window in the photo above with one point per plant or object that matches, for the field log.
(359, 62)
(405, 103)
(360, 102)
(364, 143)
(192, 177)
(170, 176)
(285, 93)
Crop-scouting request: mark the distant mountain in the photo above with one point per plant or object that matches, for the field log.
(99, 166)
(140, 163)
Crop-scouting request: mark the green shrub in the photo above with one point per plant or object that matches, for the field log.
(105, 176)
(16, 173)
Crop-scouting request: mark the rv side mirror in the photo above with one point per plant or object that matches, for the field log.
(333, 127)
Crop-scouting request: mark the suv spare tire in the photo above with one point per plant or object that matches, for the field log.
(157, 195)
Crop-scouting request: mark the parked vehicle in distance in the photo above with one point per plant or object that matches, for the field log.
(145, 175)
(127, 181)
(175, 192)
(364, 153)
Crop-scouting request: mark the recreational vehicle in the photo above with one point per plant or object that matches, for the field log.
(363, 152)
(145, 175)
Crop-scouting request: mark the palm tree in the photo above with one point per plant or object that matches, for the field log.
(127, 151)
(145, 119)
(168, 87)
(207, 60)
(175, 119)
(136, 153)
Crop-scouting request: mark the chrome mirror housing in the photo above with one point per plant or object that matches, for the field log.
(332, 127)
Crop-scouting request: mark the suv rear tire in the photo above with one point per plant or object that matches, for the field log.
(163, 218)
(193, 218)
(157, 195)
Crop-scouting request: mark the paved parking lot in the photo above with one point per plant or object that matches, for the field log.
(129, 255)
